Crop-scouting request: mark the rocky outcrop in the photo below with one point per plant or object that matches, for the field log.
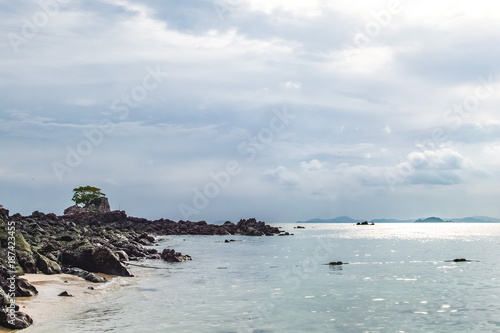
(102, 242)
(98, 205)
(170, 255)
(92, 240)
(365, 223)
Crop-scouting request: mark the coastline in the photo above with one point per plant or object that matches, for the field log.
(47, 305)
(94, 241)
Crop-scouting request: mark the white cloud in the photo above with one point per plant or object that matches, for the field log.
(282, 177)
(293, 85)
(312, 165)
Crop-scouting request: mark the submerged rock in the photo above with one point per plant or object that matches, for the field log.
(84, 274)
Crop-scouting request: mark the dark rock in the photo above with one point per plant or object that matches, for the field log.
(365, 223)
(172, 256)
(122, 255)
(11, 283)
(99, 259)
(15, 320)
(66, 238)
(24, 254)
(65, 294)
(89, 276)
(100, 205)
(24, 288)
(73, 210)
(47, 266)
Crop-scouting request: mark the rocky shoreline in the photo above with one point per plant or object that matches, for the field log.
(83, 242)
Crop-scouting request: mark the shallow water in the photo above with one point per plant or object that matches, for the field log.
(396, 280)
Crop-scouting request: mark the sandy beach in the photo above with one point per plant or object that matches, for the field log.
(47, 305)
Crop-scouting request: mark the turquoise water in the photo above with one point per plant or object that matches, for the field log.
(396, 280)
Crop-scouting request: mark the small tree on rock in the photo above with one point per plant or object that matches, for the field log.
(86, 195)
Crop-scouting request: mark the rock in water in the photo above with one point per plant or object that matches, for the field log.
(459, 259)
(172, 256)
(65, 294)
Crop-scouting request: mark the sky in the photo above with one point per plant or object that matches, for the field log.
(282, 110)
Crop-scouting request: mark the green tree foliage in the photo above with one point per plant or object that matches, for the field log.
(85, 195)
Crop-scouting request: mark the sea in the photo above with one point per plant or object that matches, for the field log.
(395, 277)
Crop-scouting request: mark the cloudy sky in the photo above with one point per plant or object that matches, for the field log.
(282, 110)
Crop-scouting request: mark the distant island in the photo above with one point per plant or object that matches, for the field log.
(339, 219)
(432, 219)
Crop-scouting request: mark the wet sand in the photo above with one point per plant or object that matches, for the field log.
(47, 305)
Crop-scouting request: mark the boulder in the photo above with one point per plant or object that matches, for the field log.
(65, 294)
(73, 210)
(10, 282)
(122, 255)
(24, 288)
(99, 205)
(15, 320)
(24, 255)
(99, 260)
(171, 256)
(47, 266)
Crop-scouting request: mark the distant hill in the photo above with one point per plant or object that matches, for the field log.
(430, 219)
(339, 219)
(477, 219)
